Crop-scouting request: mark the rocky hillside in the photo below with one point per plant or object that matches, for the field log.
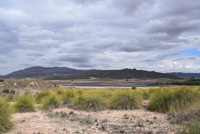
(42, 71)
(59, 73)
(113, 74)
(24, 83)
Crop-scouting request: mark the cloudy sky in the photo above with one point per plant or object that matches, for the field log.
(159, 35)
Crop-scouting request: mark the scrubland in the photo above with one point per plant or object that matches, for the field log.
(165, 107)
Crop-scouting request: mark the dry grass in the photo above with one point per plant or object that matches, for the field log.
(25, 103)
(5, 115)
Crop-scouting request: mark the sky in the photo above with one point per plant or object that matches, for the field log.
(153, 35)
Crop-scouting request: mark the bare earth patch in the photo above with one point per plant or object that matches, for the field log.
(68, 121)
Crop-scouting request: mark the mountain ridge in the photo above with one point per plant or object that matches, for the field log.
(113, 74)
(38, 71)
(69, 73)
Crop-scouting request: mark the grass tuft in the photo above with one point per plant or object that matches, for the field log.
(89, 101)
(174, 99)
(60, 91)
(40, 95)
(5, 115)
(192, 128)
(52, 101)
(25, 103)
(126, 99)
(68, 95)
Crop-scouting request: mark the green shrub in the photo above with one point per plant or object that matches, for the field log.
(40, 95)
(145, 94)
(192, 128)
(174, 99)
(25, 103)
(51, 101)
(1, 80)
(68, 95)
(60, 91)
(11, 97)
(56, 85)
(6, 91)
(106, 94)
(5, 115)
(12, 91)
(126, 99)
(134, 87)
(89, 101)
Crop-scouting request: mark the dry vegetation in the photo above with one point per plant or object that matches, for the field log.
(24, 84)
(174, 110)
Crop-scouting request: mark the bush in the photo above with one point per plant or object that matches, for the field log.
(89, 101)
(56, 85)
(174, 99)
(60, 91)
(1, 80)
(126, 99)
(192, 128)
(40, 95)
(147, 93)
(134, 87)
(67, 96)
(6, 91)
(12, 91)
(51, 101)
(25, 103)
(5, 115)
(11, 97)
(106, 94)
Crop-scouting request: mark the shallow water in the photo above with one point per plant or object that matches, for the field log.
(107, 85)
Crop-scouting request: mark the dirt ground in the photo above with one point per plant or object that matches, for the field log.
(69, 121)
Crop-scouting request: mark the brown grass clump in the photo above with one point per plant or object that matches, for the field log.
(89, 101)
(40, 95)
(5, 115)
(174, 99)
(126, 99)
(25, 103)
(51, 101)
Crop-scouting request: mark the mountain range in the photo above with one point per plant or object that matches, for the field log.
(69, 73)
(38, 71)
(113, 74)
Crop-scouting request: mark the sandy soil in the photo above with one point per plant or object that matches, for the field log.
(68, 121)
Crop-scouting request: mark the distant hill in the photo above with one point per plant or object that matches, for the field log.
(56, 73)
(113, 74)
(185, 75)
(42, 72)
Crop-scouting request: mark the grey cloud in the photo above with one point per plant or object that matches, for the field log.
(91, 46)
(86, 1)
(161, 57)
(75, 58)
(129, 6)
(35, 54)
(144, 45)
(179, 59)
(173, 27)
(192, 58)
(100, 34)
(8, 38)
(180, 8)
(85, 65)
